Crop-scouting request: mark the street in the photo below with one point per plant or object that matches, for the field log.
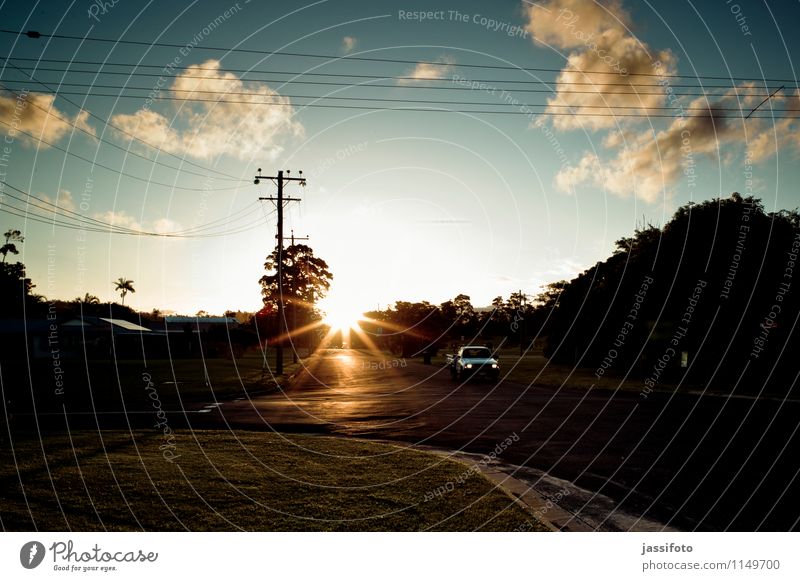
(687, 462)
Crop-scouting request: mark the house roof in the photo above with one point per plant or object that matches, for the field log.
(127, 325)
(18, 326)
(116, 324)
(201, 320)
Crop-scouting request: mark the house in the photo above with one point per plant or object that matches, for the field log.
(206, 336)
(198, 324)
(24, 339)
(74, 338)
(106, 336)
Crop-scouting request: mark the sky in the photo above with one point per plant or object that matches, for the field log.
(465, 147)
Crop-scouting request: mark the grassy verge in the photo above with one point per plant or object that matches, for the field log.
(107, 383)
(533, 366)
(241, 481)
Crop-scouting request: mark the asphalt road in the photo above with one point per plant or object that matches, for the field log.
(681, 461)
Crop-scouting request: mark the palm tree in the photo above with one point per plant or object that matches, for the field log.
(124, 286)
(11, 237)
(88, 299)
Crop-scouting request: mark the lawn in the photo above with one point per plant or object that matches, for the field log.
(534, 367)
(105, 384)
(252, 481)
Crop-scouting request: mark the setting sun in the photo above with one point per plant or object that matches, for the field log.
(341, 315)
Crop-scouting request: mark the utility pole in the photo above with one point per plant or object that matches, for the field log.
(524, 336)
(292, 238)
(279, 201)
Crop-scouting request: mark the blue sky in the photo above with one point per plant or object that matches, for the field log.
(411, 205)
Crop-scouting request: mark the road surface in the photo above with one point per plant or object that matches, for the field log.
(688, 462)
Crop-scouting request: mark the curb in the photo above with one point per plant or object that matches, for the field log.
(543, 509)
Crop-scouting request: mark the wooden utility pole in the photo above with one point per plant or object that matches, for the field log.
(524, 335)
(279, 201)
(292, 238)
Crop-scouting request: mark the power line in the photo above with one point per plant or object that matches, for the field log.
(315, 74)
(357, 57)
(223, 92)
(519, 110)
(770, 96)
(523, 109)
(743, 91)
(396, 100)
(59, 216)
(43, 205)
(113, 229)
(105, 167)
(74, 220)
(21, 213)
(224, 220)
(740, 92)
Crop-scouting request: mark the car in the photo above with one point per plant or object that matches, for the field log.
(473, 361)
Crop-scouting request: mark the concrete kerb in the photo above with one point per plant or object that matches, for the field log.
(544, 510)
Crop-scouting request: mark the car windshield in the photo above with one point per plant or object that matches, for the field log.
(481, 352)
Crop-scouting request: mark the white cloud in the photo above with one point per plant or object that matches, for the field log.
(250, 125)
(647, 163)
(125, 220)
(784, 135)
(602, 64)
(34, 113)
(64, 200)
(555, 22)
(118, 218)
(349, 44)
(166, 226)
(438, 69)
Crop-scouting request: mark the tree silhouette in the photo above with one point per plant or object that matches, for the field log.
(715, 285)
(458, 316)
(9, 246)
(15, 289)
(123, 286)
(306, 278)
(415, 326)
(88, 299)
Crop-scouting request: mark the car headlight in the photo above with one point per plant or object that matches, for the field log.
(495, 366)
(468, 366)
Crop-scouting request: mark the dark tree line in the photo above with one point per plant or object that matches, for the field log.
(710, 296)
(411, 328)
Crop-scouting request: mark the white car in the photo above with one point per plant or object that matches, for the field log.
(473, 360)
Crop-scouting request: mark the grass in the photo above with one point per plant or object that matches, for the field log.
(223, 481)
(107, 383)
(533, 366)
